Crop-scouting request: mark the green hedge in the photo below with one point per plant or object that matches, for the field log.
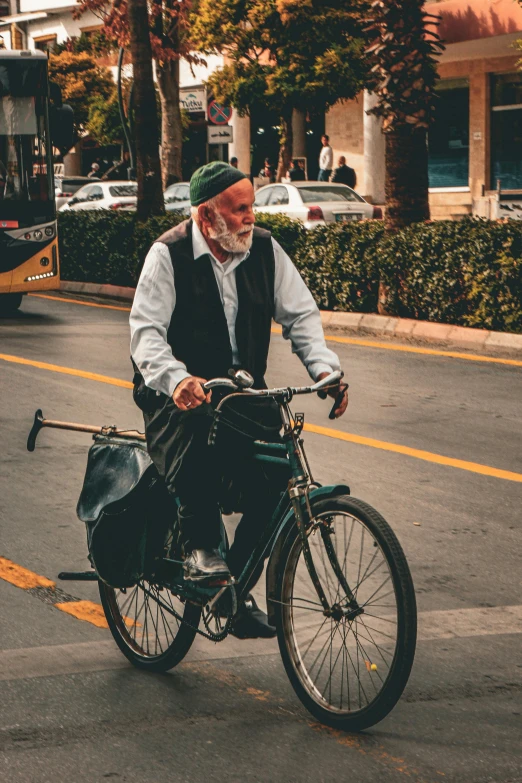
(467, 272)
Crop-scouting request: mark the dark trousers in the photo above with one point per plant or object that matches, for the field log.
(201, 476)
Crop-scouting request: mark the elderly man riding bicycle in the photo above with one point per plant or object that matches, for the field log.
(205, 301)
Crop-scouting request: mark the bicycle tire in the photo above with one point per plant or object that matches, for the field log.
(178, 636)
(406, 623)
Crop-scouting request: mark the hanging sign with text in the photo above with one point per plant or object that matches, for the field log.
(220, 134)
(193, 99)
(219, 114)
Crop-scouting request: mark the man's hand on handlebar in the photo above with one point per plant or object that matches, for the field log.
(189, 393)
(336, 394)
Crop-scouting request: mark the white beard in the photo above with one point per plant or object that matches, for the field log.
(229, 241)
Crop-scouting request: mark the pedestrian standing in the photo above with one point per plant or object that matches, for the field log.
(296, 172)
(94, 173)
(268, 170)
(344, 174)
(325, 160)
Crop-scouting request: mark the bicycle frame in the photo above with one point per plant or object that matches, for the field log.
(294, 503)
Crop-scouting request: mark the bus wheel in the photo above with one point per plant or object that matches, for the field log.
(9, 303)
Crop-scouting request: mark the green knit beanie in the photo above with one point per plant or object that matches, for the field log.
(212, 179)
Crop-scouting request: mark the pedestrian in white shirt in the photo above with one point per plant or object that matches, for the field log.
(205, 301)
(325, 160)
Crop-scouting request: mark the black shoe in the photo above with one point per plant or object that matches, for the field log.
(251, 622)
(203, 564)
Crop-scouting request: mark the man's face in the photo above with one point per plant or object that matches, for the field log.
(325, 141)
(232, 222)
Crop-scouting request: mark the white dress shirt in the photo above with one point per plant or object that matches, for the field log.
(326, 158)
(155, 300)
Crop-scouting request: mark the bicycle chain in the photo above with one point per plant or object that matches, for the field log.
(213, 637)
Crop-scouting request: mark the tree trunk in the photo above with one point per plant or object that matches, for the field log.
(167, 74)
(406, 178)
(150, 194)
(286, 140)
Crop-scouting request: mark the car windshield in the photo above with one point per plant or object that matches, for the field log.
(328, 193)
(70, 185)
(124, 190)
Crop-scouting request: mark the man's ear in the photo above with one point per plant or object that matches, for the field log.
(205, 215)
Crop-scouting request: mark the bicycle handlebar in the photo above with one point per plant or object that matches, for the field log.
(330, 380)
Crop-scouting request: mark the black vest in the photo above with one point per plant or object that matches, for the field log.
(198, 331)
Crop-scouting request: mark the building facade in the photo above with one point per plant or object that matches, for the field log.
(475, 143)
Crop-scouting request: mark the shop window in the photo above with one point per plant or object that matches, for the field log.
(448, 137)
(506, 131)
(5, 9)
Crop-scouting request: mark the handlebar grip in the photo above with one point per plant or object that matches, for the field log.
(338, 400)
(35, 429)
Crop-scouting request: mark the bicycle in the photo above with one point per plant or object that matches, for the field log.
(339, 589)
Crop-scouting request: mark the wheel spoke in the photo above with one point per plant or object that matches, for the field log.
(334, 660)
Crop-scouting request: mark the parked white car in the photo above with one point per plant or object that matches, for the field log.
(67, 187)
(103, 195)
(315, 203)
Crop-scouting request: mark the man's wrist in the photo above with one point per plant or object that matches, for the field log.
(176, 378)
(316, 369)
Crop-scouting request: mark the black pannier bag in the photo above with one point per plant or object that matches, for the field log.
(126, 509)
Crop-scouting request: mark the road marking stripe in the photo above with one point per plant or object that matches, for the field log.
(79, 302)
(90, 376)
(88, 611)
(470, 357)
(22, 577)
(103, 655)
(427, 456)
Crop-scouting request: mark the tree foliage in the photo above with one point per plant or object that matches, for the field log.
(168, 26)
(282, 54)
(81, 80)
(404, 71)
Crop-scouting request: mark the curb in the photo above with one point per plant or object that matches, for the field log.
(363, 323)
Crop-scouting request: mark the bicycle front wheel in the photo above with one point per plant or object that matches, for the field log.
(348, 671)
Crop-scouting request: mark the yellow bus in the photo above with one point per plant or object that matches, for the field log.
(32, 120)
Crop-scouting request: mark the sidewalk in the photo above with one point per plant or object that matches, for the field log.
(364, 324)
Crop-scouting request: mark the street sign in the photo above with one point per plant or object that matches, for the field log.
(220, 134)
(193, 99)
(219, 114)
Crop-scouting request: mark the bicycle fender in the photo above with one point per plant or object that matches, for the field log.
(320, 493)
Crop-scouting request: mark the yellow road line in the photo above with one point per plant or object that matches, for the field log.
(22, 577)
(385, 346)
(427, 456)
(87, 611)
(90, 376)
(471, 357)
(80, 302)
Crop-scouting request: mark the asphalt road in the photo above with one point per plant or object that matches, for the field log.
(73, 710)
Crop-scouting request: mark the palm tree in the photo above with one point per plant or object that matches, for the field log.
(150, 194)
(404, 51)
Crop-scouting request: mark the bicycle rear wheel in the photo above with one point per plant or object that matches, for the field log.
(147, 633)
(348, 671)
